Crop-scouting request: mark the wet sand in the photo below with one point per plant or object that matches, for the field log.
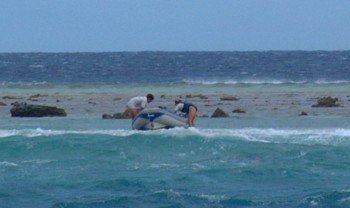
(92, 104)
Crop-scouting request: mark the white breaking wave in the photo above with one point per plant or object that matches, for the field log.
(24, 84)
(262, 82)
(332, 136)
(48, 132)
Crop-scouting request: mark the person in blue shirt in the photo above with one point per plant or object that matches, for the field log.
(189, 109)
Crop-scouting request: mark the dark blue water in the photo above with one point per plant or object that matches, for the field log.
(170, 67)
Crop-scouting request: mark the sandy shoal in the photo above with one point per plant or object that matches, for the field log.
(253, 104)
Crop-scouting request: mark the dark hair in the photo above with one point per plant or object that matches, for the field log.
(150, 96)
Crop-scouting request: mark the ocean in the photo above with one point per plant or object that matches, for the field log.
(268, 157)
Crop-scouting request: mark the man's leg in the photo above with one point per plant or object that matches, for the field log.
(133, 112)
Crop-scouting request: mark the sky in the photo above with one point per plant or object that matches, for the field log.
(173, 25)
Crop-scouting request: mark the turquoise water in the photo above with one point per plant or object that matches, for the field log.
(245, 162)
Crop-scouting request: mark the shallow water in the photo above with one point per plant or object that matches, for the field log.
(85, 162)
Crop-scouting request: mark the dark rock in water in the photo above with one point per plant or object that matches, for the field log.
(219, 113)
(229, 98)
(33, 97)
(30, 110)
(326, 102)
(238, 110)
(8, 97)
(203, 97)
(123, 115)
(303, 114)
(107, 116)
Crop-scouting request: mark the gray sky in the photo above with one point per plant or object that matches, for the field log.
(173, 25)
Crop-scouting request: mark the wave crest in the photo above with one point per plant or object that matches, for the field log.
(335, 136)
(262, 82)
(19, 84)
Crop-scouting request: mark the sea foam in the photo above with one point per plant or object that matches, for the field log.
(331, 136)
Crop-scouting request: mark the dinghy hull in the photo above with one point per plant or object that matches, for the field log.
(157, 118)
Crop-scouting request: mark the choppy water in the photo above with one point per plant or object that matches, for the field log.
(172, 67)
(174, 72)
(275, 161)
(94, 163)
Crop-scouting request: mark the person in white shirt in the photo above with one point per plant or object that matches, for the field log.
(137, 104)
(188, 108)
